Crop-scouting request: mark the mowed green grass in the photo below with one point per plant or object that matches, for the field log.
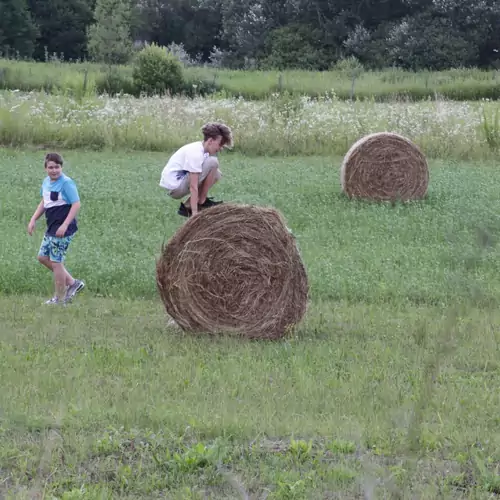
(388, 389)
(432, 252)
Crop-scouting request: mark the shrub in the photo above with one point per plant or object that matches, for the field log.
(157, 71)
(113, 82)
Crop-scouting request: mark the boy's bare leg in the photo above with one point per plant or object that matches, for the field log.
(207, 183)
(69, 280)
(60, 276)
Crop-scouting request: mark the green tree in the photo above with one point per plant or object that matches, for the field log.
(192, 23)
(63, 27)
(295, 46)
(18, 32)
(109, 39)
(245, 26)
(429, 42)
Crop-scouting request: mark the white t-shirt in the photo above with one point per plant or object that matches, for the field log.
(188, 158)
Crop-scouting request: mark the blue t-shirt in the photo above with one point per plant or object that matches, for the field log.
(58, 196)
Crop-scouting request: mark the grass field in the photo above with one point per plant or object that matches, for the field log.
(86, 78)
(278, 126)
(388, 389)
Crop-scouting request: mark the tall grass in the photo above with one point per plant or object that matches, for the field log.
(281, 124)
(52, 77)
(457, 84)
(85, 78)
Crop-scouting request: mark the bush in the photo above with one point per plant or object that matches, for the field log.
(200, 87)
(113, 82)
(157, 71)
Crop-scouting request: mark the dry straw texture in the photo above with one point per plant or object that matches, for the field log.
(234, 269)
(385, 166)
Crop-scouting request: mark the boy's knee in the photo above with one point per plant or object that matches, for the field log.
(176, 194)
(43, 259)
(211, 162)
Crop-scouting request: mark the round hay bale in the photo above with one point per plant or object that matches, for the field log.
(385, 166)
(233, 269)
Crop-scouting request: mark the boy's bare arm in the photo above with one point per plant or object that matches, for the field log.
(38, 213)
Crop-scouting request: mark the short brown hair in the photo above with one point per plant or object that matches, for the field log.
(214, 129)
(55, 157)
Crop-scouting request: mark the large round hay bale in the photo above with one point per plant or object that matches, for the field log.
(385, 166)
(233, 269)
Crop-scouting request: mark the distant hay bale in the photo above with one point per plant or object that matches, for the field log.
(233, 269)
(385, 166)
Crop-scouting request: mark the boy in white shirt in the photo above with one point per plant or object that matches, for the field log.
(194, 168)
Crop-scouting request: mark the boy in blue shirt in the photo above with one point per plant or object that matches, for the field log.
(61, 204)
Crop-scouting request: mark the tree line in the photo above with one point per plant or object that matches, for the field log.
(263, 34)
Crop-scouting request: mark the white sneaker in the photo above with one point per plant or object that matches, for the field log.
(53, 301)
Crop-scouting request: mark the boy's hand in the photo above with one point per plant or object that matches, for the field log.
(61, 230)
(31, 227)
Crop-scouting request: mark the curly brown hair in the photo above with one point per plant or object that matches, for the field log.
(214, 129)
(55, 157)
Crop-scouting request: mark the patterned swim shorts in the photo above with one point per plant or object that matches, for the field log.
(55, 248)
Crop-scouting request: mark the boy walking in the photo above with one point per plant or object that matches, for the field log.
(194, 168)
(61, 204)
